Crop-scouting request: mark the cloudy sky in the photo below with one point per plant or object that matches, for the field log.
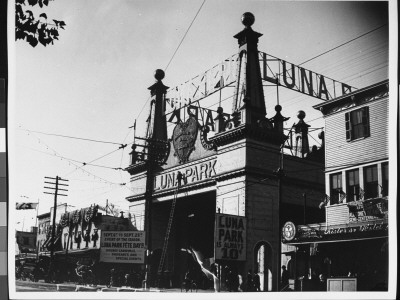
(93, 82)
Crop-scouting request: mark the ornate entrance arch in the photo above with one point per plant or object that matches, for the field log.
(263, 264)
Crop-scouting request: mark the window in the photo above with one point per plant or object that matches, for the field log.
(357, 124)
(371, 182)
(353, 185)
(385, 179)
(336, 188)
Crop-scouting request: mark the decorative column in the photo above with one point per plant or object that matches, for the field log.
(159, 120)
(157, 133)
(249, 94)
(301, 134)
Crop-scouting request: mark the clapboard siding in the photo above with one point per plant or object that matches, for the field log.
(337, 214)
(340, 152)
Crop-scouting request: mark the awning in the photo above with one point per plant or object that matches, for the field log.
(320, 233)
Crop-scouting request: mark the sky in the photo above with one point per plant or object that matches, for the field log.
(92, 83)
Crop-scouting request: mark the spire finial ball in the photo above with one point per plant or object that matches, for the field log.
(278, 108)
(248, 19)
(301, 114)
(159, 74)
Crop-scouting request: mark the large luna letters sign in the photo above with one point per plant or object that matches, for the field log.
(275, 70)
(194, 173)
(230, 237)
(297, 78)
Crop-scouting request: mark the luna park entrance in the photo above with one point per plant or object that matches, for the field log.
(191, 240)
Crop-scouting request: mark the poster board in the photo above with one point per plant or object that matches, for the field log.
(122, 247)
(230, 237)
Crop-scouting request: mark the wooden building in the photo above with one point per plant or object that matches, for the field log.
(353, 241)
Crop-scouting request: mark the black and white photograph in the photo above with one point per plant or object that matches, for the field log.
(169, 149)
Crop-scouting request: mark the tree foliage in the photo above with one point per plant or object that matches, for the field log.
(33, 30)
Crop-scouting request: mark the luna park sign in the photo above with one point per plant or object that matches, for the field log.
(192, 174)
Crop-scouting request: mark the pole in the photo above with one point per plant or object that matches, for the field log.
(304, 209)
(147, 219)
(279, 174)
(53, 228)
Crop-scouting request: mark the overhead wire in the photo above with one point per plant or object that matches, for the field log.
(345, 43)
(70, 137)
(184, 36)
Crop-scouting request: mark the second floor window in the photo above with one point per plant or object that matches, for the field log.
(353, 185)
(385, 179)
(336, 188)
(357, 124)
(371, 182)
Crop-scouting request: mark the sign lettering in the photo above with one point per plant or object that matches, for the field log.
(194, 173)
(367, 210)
(122, 246)
(230, 237)
(300, 79)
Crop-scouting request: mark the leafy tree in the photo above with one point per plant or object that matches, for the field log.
(33, 30)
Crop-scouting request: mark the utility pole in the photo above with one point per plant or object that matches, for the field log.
(54, 186)
(304, 208)
(279, 173)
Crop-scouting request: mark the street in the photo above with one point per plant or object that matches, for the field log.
(29, 286)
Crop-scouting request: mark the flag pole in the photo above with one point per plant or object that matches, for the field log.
(37, 212)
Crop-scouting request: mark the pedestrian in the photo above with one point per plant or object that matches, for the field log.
(284, 277)
(228, 278)
(240, 280)
(322, 282)
(234, 279)
(249, 281)
(256, 282)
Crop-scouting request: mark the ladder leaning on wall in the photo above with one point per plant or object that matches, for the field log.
(166, 238)
(180, 178)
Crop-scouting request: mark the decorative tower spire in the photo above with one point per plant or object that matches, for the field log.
(249, 94)
(301, 132)
(158, 126)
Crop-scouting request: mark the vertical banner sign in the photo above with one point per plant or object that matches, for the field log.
(122, 247)
(230, 237)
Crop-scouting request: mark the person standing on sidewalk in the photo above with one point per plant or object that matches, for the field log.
(249, 281)
(256, 282)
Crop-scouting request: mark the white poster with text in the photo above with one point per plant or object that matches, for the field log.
(230, 237)
(122, 247)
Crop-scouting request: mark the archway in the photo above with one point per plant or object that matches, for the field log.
(263, 264)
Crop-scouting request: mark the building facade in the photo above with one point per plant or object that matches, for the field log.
(44, 226)
(224, 196)
(353, 241)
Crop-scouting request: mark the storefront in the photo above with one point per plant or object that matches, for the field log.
(355, 251)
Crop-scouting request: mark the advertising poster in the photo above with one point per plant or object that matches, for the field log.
(230, 237)
(122, 247)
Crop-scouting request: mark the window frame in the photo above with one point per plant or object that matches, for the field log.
(355, 131)
(368, 185)
(335, 192)
(385, 179)
(353, 191)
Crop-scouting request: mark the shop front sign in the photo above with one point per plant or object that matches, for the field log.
(307, 234)
(230, 237)
(289, 231)
(367, 210)
(122, 247)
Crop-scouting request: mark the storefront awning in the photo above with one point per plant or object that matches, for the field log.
(320, 233)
